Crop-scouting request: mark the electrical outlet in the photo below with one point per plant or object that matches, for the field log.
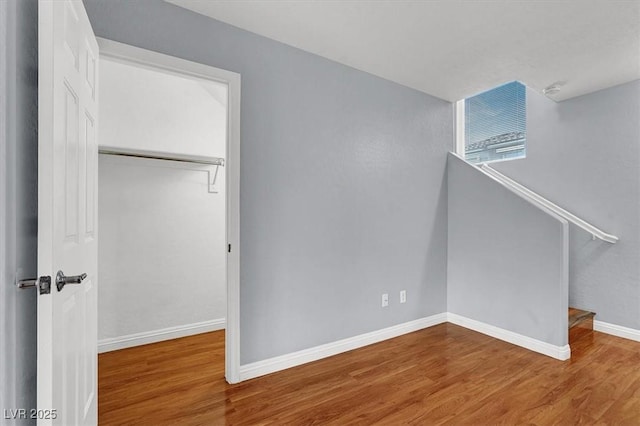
(385, 300)
(403, 296)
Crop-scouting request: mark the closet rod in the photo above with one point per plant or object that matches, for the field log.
(215, 161)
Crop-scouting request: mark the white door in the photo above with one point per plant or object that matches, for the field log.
(67, 214)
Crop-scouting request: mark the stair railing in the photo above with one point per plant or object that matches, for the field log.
(540, 200)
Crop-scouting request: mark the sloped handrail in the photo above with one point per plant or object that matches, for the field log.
(539, 199)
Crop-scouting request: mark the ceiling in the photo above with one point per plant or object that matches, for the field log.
(453, 49)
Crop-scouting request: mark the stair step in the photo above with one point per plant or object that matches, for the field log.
(580, 326)
(578, 316)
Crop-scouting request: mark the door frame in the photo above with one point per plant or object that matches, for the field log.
(145, 58)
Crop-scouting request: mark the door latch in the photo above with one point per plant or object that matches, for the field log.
(43, 283)
(62, 279)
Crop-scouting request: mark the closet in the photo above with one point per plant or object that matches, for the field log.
(162, 209)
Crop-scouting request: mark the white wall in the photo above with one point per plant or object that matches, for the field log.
(145, 108)
(162, 233)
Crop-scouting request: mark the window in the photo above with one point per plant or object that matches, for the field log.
(494, 124)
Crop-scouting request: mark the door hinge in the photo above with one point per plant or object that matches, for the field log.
(229, 248)
(43, 283)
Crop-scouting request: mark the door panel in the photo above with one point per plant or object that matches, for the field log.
(67, 209)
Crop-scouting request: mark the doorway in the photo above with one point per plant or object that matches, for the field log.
(169, 200)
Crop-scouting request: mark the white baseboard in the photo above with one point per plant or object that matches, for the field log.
(271, 365)
(617, 330)
(558, 352)
(153, 336)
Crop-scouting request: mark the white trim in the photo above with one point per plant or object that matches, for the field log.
(459, 148)
(617, 330)
(278, 363)
(232, 335)
(282, 362)
(153, 336)
(146, 58)
(558, 352)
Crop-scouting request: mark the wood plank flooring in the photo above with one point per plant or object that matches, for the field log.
(441, 375)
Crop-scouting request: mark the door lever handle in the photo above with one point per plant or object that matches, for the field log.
(62, 279)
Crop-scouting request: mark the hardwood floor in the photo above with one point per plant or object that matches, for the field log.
(441, 375)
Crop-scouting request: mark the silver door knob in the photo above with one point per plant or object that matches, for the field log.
(62, 279)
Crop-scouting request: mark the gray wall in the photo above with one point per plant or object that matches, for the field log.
(584, 154)
(18, 202)
(343, 191)
(507, 262)
(6, 396)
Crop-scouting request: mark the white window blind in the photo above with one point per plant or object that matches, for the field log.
(495, 124)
